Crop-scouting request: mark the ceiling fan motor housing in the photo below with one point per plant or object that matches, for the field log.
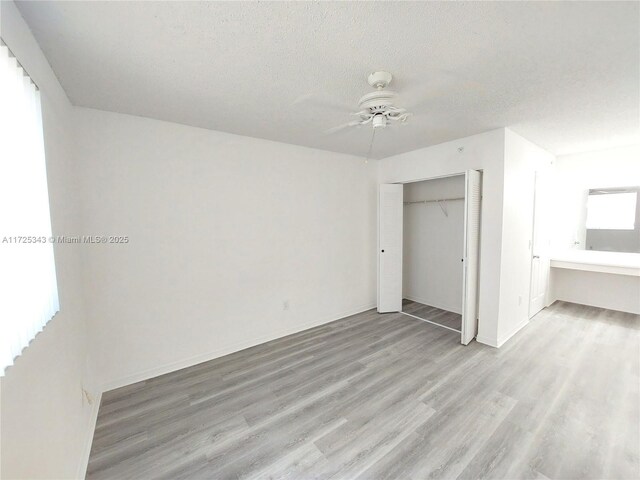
(377, 107)
(378, 100)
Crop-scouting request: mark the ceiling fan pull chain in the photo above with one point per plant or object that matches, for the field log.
(373, 135)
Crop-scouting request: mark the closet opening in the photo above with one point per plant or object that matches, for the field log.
(433, 242)
(429, 234)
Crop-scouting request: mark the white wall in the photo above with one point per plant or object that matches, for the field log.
(574, 175)
(433, 243)
(604, 290)
(45, 425)
(223, 230)
(479, 152)
(522, 160)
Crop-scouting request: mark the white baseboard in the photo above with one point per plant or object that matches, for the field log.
(500, 341)
(503, 339)
(492, 342)
(84, 459)
(221, 352)
(430, 303)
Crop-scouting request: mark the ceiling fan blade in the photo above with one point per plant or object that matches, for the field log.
(323, 101)
(341, 127)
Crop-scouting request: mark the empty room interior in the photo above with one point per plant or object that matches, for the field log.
(319, 240)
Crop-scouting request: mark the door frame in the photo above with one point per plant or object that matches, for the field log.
(536, 253)
(435, 177)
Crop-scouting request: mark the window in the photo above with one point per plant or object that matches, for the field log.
(28, 290)
(611, 210)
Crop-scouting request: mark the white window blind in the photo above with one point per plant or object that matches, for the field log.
(28, 289)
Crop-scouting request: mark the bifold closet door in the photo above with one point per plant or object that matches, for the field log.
(390, 248)
(472, 200)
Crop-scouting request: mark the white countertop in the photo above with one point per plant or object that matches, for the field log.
(594, 261)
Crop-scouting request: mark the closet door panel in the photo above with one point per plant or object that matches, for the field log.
(390, 217)
(470, 261)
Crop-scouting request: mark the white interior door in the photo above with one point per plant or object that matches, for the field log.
(539, 254)
(390, 248)
(471, 254)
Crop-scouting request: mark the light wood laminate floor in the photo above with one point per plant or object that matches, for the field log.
(387, 396)
(433, 314)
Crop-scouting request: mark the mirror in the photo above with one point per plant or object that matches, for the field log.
(612, 221)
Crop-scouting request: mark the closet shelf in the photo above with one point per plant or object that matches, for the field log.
(434, 201)
(438, 201)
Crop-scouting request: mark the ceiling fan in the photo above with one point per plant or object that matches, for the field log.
(379, 108)
(376, 108)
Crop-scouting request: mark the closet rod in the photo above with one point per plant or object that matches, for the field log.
(434, 201)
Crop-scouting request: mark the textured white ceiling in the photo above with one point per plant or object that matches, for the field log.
(563, 74)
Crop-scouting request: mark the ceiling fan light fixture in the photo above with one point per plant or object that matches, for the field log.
(379, 121)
